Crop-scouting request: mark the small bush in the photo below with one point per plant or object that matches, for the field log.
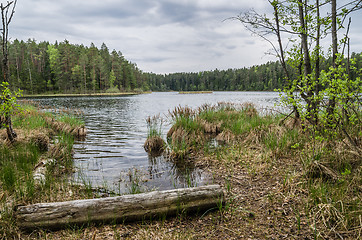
(113, 90)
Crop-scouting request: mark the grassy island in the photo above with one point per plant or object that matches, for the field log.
(195, 92)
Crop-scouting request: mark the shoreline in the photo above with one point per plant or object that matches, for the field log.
(266, 166)
(128, 93)
(82, 94)
(195, 92)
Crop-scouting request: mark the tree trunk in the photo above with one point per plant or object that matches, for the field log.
(332, 100)
(282, 58)
(31, 80)
(9, 129)
(6, 19)
(306, 57)
(142, 206)
(334, 32)
(85, 78)
(317, 64)
(307, 96)
(17, 69)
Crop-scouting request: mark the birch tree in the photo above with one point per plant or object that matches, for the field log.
(326, 98)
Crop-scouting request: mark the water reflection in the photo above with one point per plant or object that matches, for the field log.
(182, 174)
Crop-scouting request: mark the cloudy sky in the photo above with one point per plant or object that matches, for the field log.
(160, 36)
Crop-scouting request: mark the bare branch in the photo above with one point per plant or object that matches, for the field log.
(346, 36)
(12, 12)
(356, 7)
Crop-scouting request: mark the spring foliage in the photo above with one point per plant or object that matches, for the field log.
(8, 100)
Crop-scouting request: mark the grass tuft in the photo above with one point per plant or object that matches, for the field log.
(154, 144)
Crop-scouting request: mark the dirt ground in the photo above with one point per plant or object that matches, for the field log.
(261, 203)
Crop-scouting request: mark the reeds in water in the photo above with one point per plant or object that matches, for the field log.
(154, 144)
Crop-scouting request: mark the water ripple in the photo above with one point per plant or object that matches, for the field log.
(113, 149)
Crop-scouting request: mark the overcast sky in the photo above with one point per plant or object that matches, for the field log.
(160, 36)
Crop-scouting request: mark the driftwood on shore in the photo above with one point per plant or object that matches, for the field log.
(142, 206)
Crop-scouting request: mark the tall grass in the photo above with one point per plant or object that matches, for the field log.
(18, 161)
(154, 126)
(31, 121)
(16, 166)
(185, 118)
(72, 120)
(65, 152)
(33, 117)
(154, 144)
(192, 129)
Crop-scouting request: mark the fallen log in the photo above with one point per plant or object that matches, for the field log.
(142, 206)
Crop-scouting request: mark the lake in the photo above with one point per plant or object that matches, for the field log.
(112, 155)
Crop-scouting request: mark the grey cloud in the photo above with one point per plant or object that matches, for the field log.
(230, 47)
(99, 11)
(249, 42)
(175, 12)
(159, 35)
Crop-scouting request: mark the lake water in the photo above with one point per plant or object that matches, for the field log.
(112, 154)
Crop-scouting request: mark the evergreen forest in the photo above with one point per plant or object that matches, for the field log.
(63, 67)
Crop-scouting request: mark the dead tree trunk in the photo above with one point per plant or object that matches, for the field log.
(6, 19)
(142, 206)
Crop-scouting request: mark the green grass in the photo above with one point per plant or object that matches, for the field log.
(32, 118)
(29, 121)
(16, 166)
(237, 120)
(135, 186)
(180, 149)
(72, 120)
(185, 118)
(208, 121)
(66, 141)
(187, 123)
(154, 126)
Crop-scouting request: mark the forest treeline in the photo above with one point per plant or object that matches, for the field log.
(62, 67)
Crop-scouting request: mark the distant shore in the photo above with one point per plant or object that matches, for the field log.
(82, 94)
(195, 92)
